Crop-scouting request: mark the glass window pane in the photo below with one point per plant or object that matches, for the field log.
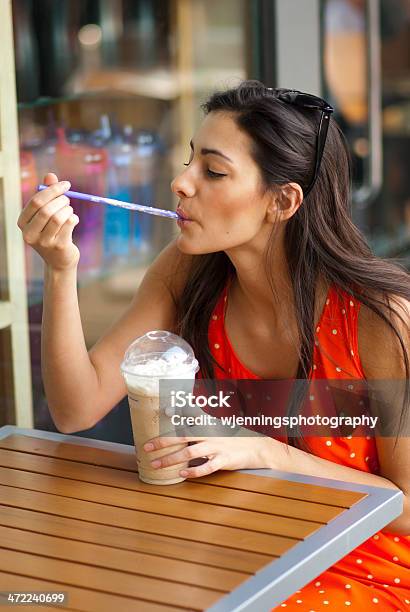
(385, 218)
(109, 94)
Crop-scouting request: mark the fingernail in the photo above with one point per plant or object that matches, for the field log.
(148, 446)
(183, 473)
(155, 463)
(66, 184)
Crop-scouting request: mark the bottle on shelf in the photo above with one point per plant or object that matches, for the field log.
(117, 222)
(29, 182)
(145, 152)
(45, 153)
(85, 167)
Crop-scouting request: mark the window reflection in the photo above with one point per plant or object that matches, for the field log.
(345, 70)
(386, 219)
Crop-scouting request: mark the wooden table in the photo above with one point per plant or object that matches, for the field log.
(75, 518)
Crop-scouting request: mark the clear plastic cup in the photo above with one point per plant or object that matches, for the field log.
(156, 355)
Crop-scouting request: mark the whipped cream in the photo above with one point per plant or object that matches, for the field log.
(143, 378)
(170, 363)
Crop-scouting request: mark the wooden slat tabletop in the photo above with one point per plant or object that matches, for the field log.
(76, 518)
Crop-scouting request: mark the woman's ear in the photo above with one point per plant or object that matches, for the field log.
(289, 200)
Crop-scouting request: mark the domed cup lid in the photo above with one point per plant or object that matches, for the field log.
(159, 353)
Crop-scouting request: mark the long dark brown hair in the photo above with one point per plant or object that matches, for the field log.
(320, 238)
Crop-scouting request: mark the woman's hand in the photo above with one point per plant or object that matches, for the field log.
(47, 224)
(236, 453)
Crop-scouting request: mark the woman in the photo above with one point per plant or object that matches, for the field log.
(268, 279)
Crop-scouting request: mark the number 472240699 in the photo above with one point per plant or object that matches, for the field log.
(33, 598)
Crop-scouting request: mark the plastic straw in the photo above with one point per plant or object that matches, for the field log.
(111, 202)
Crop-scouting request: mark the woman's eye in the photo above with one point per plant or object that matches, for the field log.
(214, 174)
(209, 172)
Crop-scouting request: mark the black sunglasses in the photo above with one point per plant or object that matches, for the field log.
(309, 101)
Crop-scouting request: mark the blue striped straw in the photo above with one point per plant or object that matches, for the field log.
(99, 200)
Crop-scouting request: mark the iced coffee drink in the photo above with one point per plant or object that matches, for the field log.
(156, 355)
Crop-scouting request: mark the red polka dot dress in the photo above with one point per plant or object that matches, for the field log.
(376, 575)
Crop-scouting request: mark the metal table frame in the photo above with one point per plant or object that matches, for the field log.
(304, 561)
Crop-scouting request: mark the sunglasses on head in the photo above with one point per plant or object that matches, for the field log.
(309, 101)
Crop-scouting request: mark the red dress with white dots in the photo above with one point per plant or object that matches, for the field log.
(376, 575)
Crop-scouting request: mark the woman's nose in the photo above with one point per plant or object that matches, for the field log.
(182, 186)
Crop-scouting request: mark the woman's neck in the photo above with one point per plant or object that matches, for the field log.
(262, 293)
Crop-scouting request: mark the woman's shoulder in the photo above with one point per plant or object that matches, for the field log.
(380, 349)
(396, 308)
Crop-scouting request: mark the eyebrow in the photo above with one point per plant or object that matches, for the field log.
(213, 151)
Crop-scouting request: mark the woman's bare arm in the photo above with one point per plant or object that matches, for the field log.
(82, 387)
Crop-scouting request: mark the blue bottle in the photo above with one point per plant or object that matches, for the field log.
(144, 165)
(117, 222)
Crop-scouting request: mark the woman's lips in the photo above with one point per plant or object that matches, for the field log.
(182, 215)
(183, 222)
